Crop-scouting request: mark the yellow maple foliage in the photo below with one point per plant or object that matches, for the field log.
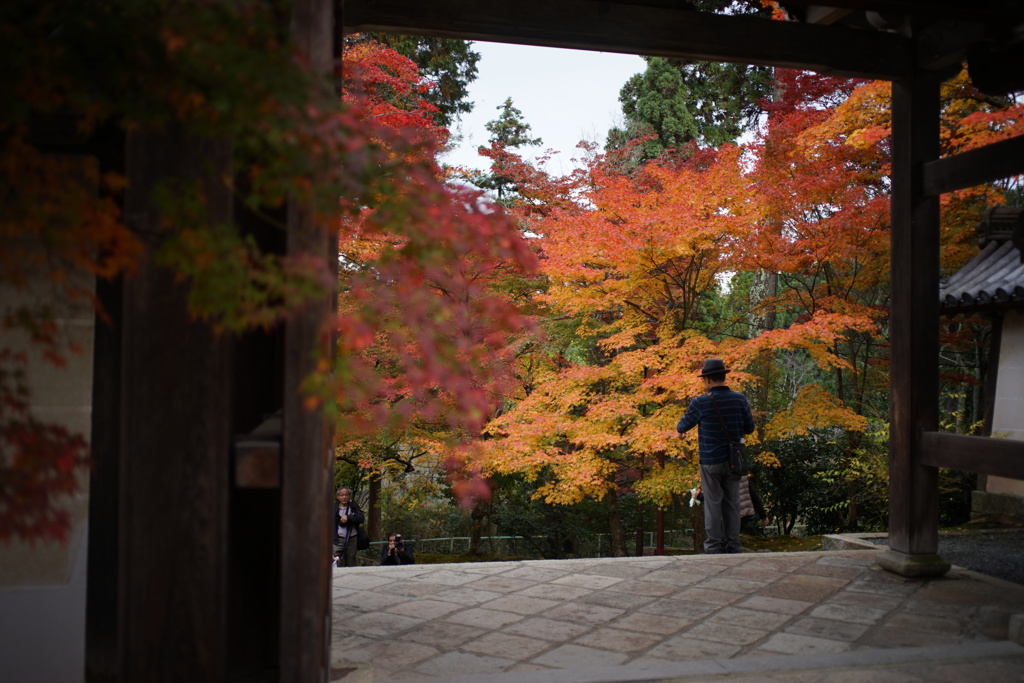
(814, 408)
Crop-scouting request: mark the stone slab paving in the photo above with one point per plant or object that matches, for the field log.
(818, 616)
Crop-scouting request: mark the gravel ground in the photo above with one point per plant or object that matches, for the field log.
(993, 553)
(997, 552)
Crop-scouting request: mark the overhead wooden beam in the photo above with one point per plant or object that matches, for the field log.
(636, 29)
(825, 15)
(996, 161)
(946, 9)
(980, 454)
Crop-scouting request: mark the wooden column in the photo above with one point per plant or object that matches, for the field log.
(101, 631)
(913, 324)
(307, 456)
(174, 439)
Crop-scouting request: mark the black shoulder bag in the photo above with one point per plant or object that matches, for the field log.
(737, 451)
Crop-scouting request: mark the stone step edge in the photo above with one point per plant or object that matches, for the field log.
(857, 659)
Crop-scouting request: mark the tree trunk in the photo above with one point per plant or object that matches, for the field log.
(616, 530)
(764, 286)
(851, 512)
(478, 517)
(373, 521)
(639, 539)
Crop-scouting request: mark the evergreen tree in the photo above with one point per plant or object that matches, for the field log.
(680, 101)
(656, 102)
(509, 131)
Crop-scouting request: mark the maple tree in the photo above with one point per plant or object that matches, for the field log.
(824, 226)
(635, 264)
(823, 175)
(421, 300)
(448, 64)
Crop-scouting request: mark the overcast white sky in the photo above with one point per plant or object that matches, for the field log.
(565, 95)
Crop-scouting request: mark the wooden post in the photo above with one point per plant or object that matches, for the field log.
(174, 439)
(307, 456)
(102, 645)
(913, 322)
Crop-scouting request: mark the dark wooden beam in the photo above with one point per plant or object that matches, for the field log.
(646, 30)
(102, 640)
(936, 9)
(984, 455)
(175, 436)
(996, 161)
(102, 643)
(306, 453)
(914, 320)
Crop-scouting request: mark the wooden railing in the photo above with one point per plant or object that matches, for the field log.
(980, 454)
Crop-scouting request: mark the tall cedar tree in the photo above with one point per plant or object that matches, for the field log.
(675, 102)
(509, 131)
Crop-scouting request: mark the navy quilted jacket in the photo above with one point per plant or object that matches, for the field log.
(714, 444)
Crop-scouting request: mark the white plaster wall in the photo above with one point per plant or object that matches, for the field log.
(1008, 416)
(43, 627)
(43, 584)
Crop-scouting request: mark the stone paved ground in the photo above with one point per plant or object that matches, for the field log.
(553, 620)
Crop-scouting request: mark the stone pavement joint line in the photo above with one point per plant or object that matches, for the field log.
(814, 616)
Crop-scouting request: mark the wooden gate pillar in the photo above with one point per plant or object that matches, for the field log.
(307, 453)
(175, 435)
(198, 573)
(914, 329)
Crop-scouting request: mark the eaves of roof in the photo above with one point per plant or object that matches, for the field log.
(994, 279)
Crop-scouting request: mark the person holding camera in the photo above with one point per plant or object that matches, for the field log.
(396, 552)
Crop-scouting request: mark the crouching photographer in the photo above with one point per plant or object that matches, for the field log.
(396, 552)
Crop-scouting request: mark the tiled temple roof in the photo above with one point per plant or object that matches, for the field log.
(995, 277)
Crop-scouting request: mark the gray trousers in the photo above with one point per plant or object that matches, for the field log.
(721, 509)
(346, 552)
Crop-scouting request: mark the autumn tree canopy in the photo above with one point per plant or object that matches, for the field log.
(448, 64)
(648, 271)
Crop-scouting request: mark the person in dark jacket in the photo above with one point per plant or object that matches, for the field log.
(347, 518)
(396, 552)
(721, 489)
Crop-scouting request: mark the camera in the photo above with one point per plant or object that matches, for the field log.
(398, 542)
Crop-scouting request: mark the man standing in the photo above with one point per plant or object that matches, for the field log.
(347, 518)
(723, 416)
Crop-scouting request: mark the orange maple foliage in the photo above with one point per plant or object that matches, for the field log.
(636, 260)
